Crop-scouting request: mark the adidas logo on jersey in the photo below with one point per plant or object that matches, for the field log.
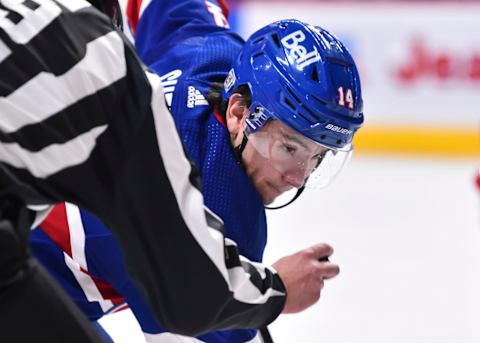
(195, 98)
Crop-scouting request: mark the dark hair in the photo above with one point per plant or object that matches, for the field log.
(220, 104)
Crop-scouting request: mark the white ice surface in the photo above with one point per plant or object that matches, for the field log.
(406, 234)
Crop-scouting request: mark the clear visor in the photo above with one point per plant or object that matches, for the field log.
(300, 160)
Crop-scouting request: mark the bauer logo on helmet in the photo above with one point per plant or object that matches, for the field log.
(339, 129)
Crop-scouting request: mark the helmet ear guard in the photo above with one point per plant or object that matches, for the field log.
(304, 77)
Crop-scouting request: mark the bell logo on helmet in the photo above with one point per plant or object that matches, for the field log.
(298, 52)
(339, 129)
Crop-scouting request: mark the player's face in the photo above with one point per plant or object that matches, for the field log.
(277, 159)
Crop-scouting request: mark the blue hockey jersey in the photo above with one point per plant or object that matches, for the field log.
(189, 44)
(183, 42)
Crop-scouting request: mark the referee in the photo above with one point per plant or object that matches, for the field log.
(82, 121)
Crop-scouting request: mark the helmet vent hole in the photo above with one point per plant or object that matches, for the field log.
(292, 94)
(289, 104)
(257, 41)
(276, 40)
(315, 74)
(323, 102)
(322, 137)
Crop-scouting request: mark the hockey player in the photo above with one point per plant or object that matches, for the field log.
(273, 150)
(82, 121)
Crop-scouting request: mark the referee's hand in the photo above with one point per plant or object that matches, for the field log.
(303, 274)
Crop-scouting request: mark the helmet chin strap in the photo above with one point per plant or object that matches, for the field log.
(299, 191)
(238, 151)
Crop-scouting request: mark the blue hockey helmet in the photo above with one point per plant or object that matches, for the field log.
(304, 77)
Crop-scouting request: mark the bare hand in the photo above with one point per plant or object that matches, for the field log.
(303, 274)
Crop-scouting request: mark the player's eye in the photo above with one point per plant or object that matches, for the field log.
(289, 149)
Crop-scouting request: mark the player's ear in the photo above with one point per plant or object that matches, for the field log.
(237, 112)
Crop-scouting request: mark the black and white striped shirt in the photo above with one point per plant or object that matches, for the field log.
(81, 121)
